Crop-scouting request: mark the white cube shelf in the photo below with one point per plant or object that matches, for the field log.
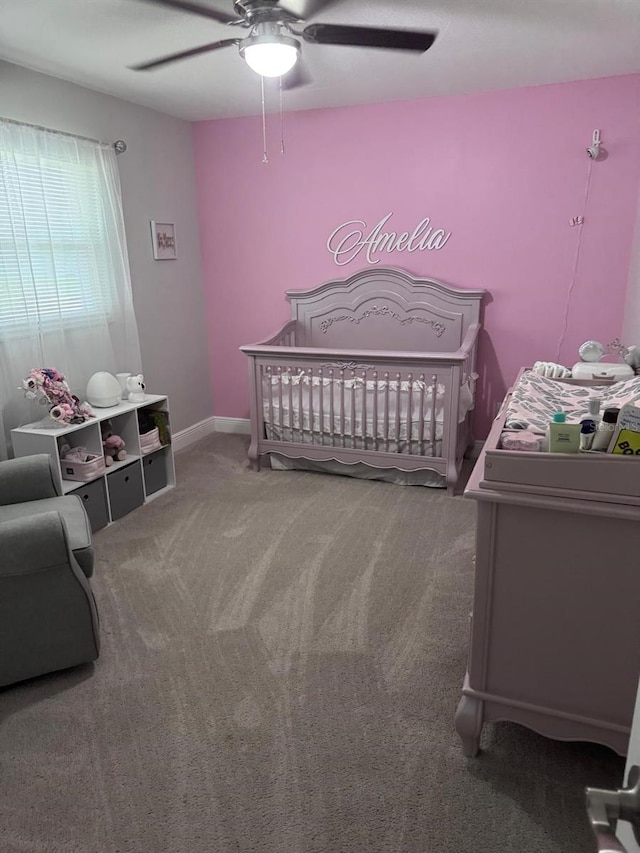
(124, 485)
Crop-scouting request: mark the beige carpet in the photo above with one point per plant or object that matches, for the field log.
(282, 657)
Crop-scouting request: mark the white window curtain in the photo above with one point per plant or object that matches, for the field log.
(65, 288)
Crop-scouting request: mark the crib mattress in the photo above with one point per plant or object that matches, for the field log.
(382, 414)
(327, 438)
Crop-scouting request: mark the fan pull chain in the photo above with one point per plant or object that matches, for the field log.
(265, 158)
(281, 120)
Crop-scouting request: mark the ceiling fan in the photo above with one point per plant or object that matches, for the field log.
(272, 46)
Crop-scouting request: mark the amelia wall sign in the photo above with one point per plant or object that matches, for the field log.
(351, 238)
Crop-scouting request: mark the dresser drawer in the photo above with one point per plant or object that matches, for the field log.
(125, 490)
(154, 467)
(94, 500)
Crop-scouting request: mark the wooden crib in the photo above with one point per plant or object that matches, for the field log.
(378, 368)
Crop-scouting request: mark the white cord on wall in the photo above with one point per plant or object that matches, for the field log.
(576, 261)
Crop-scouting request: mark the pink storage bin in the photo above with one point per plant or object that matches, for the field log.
(150, 441)
(91, 467)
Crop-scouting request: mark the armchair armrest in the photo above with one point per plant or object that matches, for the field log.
(27, 478)
(33, 544)
(48, 615)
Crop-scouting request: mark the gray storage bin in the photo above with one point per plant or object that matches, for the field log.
(94, 500)
(125, 490)
(154, 467)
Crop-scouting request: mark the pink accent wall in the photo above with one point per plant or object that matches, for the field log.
(504, 171)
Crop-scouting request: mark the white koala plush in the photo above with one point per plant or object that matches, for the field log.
(135, 387)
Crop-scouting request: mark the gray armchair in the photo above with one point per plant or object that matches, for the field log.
(48, 616)
(28, 487)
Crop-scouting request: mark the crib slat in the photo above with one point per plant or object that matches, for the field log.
(353, 408)
(421, 421)
(374, 416)
(434, 403)
(300, 408)
(311, 430)
(398, 404)
(386, 412)
(409, 411)
(364, 409)
(291, 433)
(270, 380)
(332, 428)
(280, 411)
(342, 407)
(321, 406)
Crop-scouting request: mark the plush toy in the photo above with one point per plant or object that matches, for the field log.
(632, 357)
(112, 445)
(135, 387)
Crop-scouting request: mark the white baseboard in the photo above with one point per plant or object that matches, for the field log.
(239, 425)
(190, 435)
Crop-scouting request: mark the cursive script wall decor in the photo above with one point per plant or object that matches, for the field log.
(347, 241)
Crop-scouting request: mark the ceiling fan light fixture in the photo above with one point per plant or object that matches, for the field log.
(270, 55)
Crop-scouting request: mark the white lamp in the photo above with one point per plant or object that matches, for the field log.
(270, 55)
(103, 390)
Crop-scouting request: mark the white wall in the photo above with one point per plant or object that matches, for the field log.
(158, 182)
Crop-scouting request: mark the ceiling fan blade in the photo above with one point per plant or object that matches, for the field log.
(198, 9)
(298, 76)
(305, 9)
(184, 54)
(369, 37)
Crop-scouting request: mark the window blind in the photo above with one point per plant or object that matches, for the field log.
(55, 264)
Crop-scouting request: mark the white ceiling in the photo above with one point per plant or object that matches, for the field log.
(482, 44)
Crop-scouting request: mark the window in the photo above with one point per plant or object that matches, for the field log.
(65, 288)
(55, 266)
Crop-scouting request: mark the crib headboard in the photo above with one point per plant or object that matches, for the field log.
(384, 309)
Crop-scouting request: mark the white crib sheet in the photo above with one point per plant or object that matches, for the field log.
(292, 403)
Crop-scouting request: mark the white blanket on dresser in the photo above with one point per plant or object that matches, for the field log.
(535, 398)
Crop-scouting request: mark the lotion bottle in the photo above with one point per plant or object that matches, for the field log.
(588, 429)
(561, 436)
(605, 430)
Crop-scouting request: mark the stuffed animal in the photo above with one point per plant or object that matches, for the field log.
(632, 357)
(112, 445)
(135, 387)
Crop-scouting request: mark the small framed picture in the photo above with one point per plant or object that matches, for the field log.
(163, 236)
